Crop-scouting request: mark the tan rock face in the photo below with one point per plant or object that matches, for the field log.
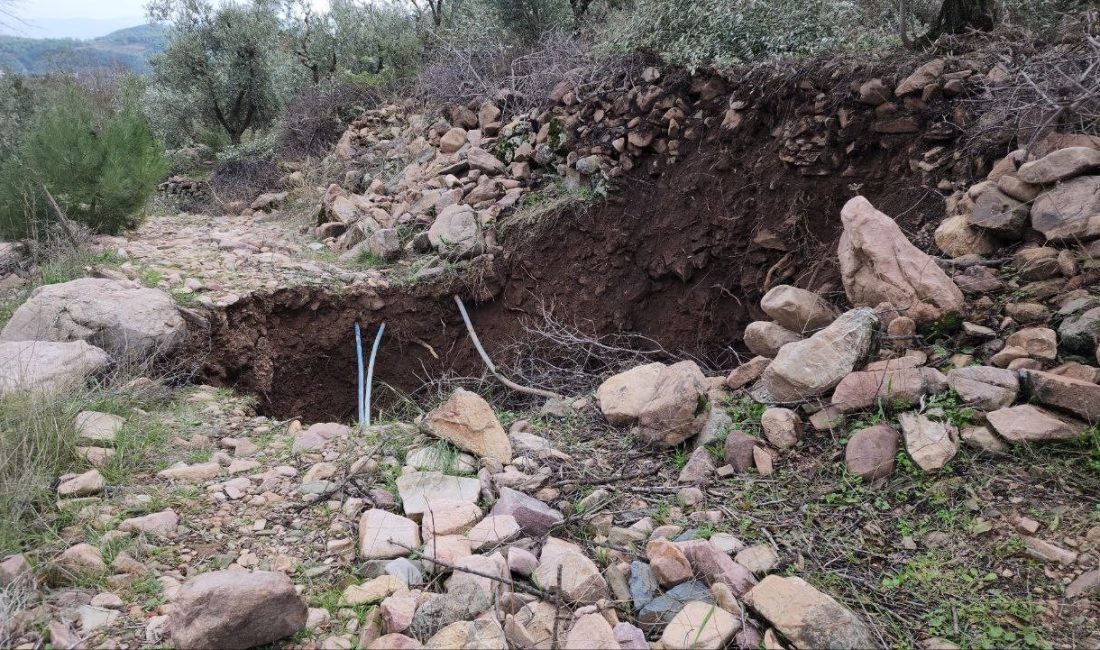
(123, 319)
(747, 372)
(811, 367)
(985, 388)
(1076, 396)
(87, 484)
(668, 562)
(782, 427)
(384, 535)
(1039, 342)
(808, 617)
(1027, 423)
(765, 338)
(591, 631)
(796, 309)
(870, 452)
(1069, 211)
(581, 581)
(700, 626)
(452, 140)
(956, 238)
(48, 366)
(623, 396)
(678, 408)
(467, 421)
(931, 444)
(1060, 165)
(236, 609)
(861, 390)
(921, 77)
(878, 264)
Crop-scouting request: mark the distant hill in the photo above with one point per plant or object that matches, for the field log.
(128, 48)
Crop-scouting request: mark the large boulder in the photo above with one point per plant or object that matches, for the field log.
(468, 422)
(1070, 211)
(124, 319)
(679, 406)
(48, 366)
(807, 617)
(1060, 165)
(456, 232)
(878, 264)
(809, 368)
(623, 396)
(235, 609)
(796, 309)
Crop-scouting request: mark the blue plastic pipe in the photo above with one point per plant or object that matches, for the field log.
(359, 355)
(370, 368)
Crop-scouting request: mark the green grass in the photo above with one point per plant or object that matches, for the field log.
(369, 260)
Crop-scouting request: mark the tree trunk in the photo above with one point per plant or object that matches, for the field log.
(960, 16)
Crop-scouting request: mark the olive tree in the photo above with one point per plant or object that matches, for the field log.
(222, 66)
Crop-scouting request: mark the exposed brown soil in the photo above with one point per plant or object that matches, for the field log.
(681, 253)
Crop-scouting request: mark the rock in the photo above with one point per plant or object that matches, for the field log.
(669, 564)
(1012, 186)
(378, 532)
(1081, 398)
(494, 530)
(1086, 584)
(698, 469)
(1069, 211)
(878, 264)
(1039, 342)
(419, 489)
(643, 584)
(452, 140)
(714, 565)
(122, 319)
(405, 571)
(1000, 215)
(630, 637)
(591, 631)
(926, 74)
(1060, 165)
(84, 485)
(521, 561)
(796, 309)
(384, 243)
(80, 561)
(14, 568)
(157, 524)
(482, 633)
(870, 452)
(317, 436)
(765, 338)
(484, 161)
(984, 387)
(759, 558)
(235, 609)
(782, 427)
(92, 618)
(808, 617)
(738, 450)
(394, 642)
(447, 516)
(931, 444)
(957, 238)
(700, 626)
(623, 396)
(661, 610)
(98, 428)
(982, 439)
(373, 591)
(456, 233)
(191, 473)
(581, 581)
(747, 372)
(810, 367)
(397, 612)
(1026, 423)
(1079, 332)
(47, 366)
(874, 92)
(1044, 550)
(534, 517)
(901, 386)
(1036, 263)
(678, 408)
(764, 461)
(468, 422)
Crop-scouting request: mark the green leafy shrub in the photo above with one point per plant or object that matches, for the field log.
(100, 164)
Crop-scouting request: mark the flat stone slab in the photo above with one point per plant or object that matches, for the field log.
(416, 489)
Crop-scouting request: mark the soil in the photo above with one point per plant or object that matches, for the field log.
(681, 253)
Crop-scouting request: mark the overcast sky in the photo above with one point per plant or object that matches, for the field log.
(77, 18)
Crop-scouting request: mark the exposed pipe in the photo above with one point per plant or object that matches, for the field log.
(489, 363)
(370, 368)
(359, 386)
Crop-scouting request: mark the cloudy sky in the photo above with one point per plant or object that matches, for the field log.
(77, 18)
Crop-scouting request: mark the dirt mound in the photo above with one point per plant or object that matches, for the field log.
(681, 252)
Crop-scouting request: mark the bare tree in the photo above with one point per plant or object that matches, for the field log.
(960, 16)
(434, 7)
